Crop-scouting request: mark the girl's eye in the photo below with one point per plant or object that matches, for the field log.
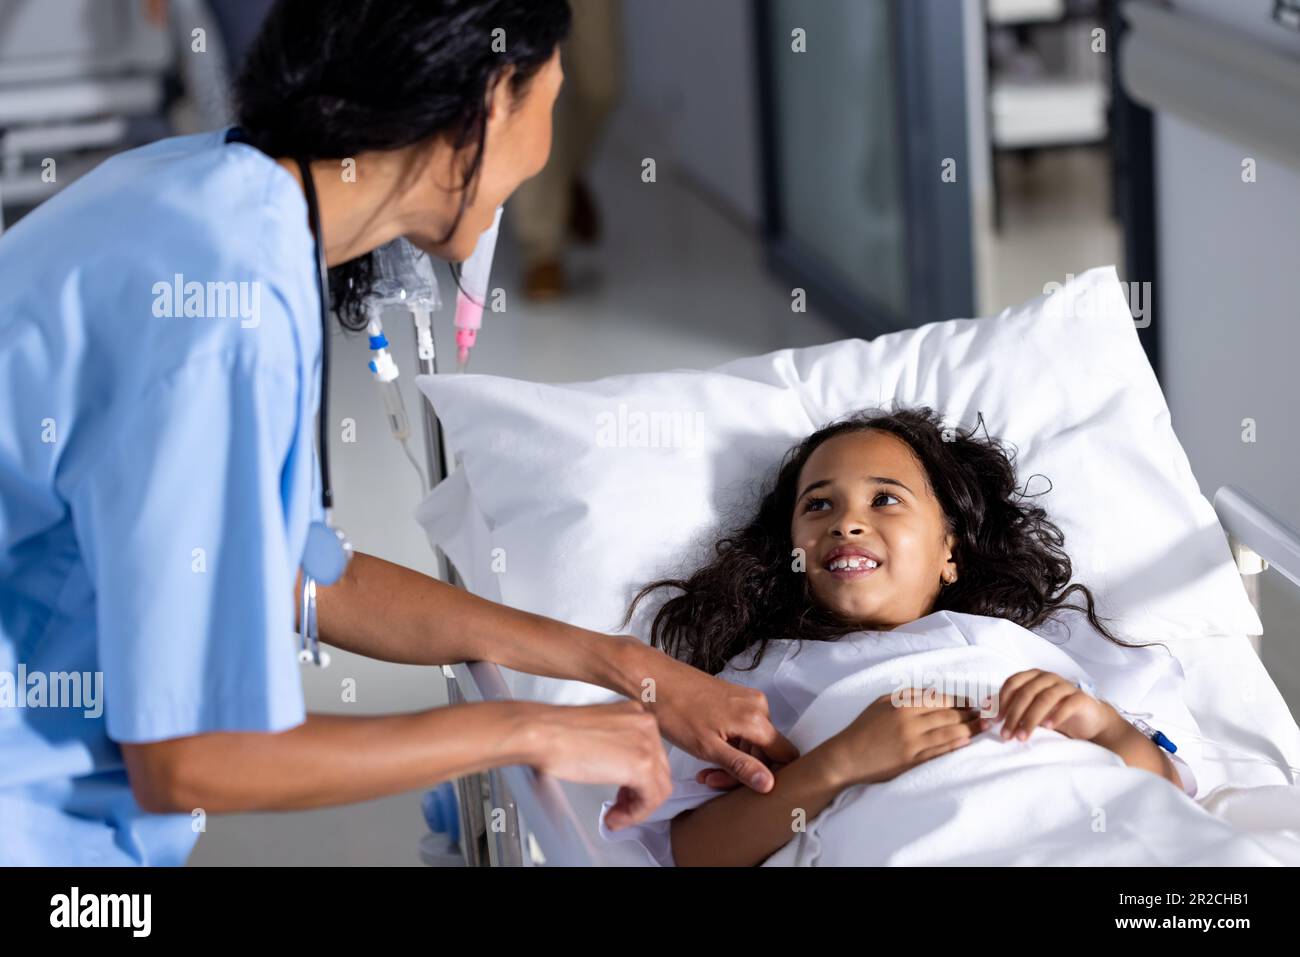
(815, 504)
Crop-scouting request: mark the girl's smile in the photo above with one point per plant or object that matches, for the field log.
(850, 563)
(882, 542)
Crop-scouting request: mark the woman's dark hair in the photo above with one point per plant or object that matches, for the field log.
(1010, 558)
(329, 79)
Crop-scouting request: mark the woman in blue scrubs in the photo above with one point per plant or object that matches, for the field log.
(160, 352)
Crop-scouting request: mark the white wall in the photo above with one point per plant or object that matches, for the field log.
(1229, 292)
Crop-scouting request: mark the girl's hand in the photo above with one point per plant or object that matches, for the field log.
(1031, 699)
(896, 732)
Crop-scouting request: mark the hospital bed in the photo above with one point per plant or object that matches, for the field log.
(516, 817)
(551, 822)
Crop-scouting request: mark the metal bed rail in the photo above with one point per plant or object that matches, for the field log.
(511, 816)
(526, 817)
(1259, 539)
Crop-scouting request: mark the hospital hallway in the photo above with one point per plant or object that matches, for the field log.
(1068, 225)
(675, 281)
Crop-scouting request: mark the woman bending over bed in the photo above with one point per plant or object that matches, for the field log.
(874, 526)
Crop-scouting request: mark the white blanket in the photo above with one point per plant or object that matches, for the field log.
(1050, 800)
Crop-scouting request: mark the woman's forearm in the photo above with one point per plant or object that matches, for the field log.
(393, 613)
(743, 828)
(329, 759)
(1138, 751)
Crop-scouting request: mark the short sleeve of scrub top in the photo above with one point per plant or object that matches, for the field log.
(157, 478)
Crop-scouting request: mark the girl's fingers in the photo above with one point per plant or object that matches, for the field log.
(1064, 711)
(1041, 707)
(1024, 697)
(953, 741)
(923, 699)
(966, 728)
(1010, 687)
(943, 717)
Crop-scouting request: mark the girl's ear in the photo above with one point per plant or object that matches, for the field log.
(950, 563)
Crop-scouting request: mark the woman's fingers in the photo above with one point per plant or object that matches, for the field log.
(717, 778)
(745, 768)
(629, 807)
(775, 745)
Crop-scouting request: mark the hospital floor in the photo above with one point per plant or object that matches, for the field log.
(1056, 223)
(674, 283)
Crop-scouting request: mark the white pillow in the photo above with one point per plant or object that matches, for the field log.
(589, 490)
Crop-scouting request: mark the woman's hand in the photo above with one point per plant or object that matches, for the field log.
(723, 723)
(602, 744)
(898, 731)
(1031, 699)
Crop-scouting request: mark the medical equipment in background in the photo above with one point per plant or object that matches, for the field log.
(473, 292)
(403, 278)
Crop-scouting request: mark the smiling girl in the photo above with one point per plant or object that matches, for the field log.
(874, 527)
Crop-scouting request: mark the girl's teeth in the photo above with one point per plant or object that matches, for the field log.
(840, 564)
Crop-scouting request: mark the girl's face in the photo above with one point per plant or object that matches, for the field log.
(864, 497)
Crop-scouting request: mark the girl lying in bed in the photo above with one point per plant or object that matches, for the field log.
(886, 539)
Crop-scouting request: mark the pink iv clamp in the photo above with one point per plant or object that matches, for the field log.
(473, 292)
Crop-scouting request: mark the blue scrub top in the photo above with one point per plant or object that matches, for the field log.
(159, 354)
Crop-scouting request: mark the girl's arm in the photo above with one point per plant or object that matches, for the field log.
(894, 733)
(1137, 750)
(743, 828)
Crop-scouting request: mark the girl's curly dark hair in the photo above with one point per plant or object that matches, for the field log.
(1010, 557)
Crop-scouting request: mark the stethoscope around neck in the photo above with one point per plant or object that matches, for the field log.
(328, 551)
